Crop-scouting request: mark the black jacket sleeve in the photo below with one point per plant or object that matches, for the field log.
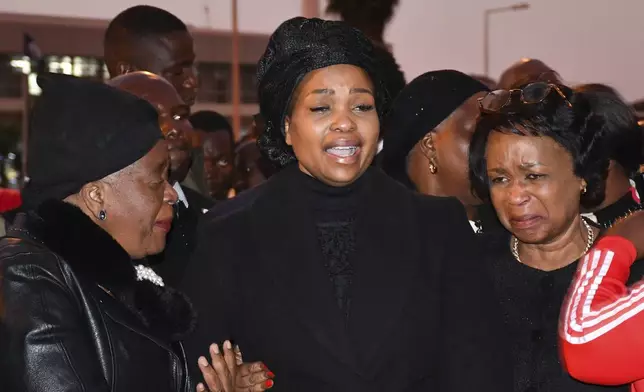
(209, 283)
(44, 342)
(477, 358)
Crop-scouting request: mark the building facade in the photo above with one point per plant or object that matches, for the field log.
(75, 46)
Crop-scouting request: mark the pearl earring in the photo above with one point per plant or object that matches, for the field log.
(102, 215)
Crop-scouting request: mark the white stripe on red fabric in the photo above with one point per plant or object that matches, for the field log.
(582, 324)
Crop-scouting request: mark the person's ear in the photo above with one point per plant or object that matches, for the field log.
(92, 195)
(287, 134)
(428, 149)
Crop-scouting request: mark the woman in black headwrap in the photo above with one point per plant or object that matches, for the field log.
(334, 275)
(427, 136)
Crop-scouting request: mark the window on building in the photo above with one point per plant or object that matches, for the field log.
(85, 67)
(11, 70)
(248, 81)
(214, 82)
(59, 64)
(10, 132)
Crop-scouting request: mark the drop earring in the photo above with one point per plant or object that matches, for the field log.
(102, 215)
(432, 168)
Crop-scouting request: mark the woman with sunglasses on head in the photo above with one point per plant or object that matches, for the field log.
(536, 155)
(334, 275)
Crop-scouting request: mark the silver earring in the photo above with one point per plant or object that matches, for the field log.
(102, 215)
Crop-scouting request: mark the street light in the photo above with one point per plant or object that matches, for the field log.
(486, 29)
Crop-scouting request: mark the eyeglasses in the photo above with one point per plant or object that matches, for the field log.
(549, 76)
(499, 100)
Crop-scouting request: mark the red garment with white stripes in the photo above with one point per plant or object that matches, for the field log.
(602, 321)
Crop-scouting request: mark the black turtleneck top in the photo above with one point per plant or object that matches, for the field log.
(334, 211)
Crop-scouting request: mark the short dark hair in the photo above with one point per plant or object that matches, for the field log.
(575, 127)
(143, 21)
(137, 24)
(623, 136)
(210, 122)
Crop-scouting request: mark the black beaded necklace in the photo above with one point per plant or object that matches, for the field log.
(609, 215)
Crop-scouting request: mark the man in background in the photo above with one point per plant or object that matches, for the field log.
(526, 71)
(146, 38)
(218, 144)
(173, 118)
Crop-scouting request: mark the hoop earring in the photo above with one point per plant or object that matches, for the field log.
(102, 215)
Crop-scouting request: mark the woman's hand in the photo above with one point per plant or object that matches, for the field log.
(228, 373)
(253, 377)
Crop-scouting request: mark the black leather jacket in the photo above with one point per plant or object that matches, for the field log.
(73, 316)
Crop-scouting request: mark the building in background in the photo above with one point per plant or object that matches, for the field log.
(74, 46)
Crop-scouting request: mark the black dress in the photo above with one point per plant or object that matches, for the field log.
(366, 288)
(531, 301)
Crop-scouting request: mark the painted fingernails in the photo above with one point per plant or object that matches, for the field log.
(228, 345)
(268, 384)
(270, 374)
(214, 348)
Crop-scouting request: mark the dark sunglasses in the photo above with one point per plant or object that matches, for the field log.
(536, 92)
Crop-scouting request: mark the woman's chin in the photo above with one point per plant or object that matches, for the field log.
(156, 246)
(343, 176)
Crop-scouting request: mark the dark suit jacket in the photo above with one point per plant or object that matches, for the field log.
(172, 262)
(239, 202)
(423, 317)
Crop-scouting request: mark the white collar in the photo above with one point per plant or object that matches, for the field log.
(590, 216)
(474, 227)
(180, 194)
(381, 145)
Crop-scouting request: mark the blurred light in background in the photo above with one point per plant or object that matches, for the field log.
(86, 67)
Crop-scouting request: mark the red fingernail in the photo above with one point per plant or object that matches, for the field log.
(268, 383)
(270, 374)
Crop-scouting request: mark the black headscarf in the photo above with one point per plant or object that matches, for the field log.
(419, 108)
(297, 47)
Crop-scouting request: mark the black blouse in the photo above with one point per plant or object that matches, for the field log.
(531, 300)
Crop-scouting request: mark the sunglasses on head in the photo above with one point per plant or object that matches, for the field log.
(501, 100)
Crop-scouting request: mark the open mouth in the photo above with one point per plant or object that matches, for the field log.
(343, 151)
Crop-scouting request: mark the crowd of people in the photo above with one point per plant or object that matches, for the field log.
(452, 234)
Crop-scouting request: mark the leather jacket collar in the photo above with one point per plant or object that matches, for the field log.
(96, 257)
